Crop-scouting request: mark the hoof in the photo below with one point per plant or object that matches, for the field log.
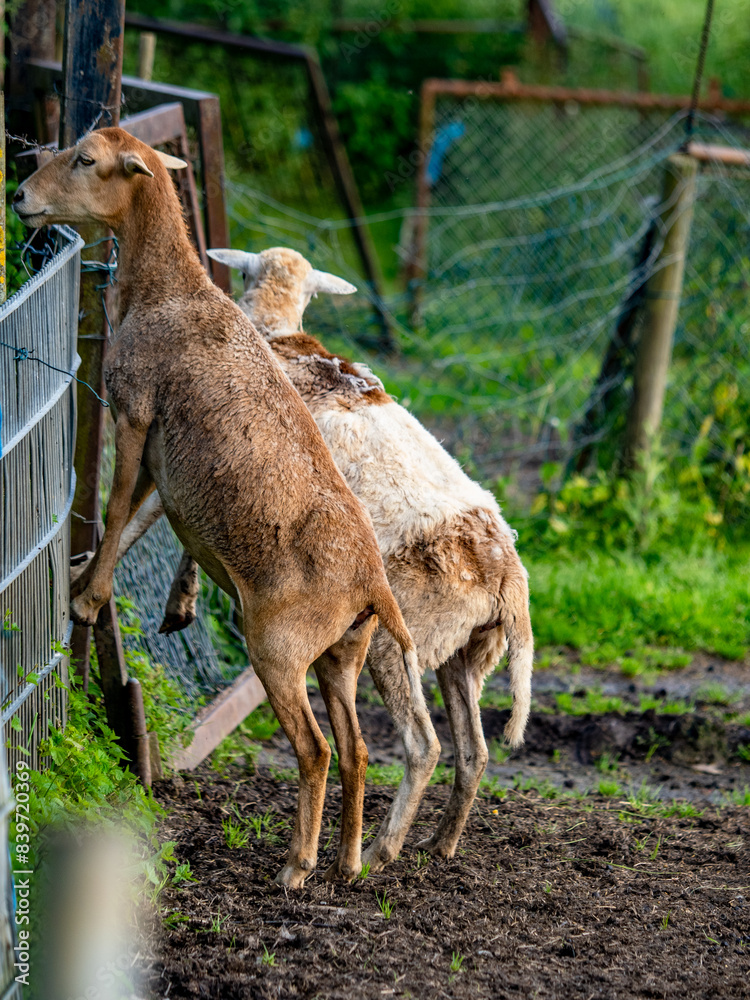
(377, 856)
(292, 877)
(175, 622)
(436, 847)
(341, 873)
(84, 612)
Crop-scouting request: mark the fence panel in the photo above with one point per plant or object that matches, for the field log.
(536, 206)
(38, 328)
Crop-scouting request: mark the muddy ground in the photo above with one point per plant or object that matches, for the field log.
(557, 891)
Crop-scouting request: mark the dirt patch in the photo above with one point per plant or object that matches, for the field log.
(582, 898)
(557, 891)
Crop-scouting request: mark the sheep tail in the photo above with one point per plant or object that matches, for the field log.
(390, 617)
(517, 624)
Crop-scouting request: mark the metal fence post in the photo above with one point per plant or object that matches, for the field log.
(662, 301)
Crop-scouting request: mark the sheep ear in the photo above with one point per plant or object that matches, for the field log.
(133, 164)
(248, 263)
(171, 162)
(322, 281)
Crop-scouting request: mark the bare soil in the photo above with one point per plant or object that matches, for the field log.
(562, 897)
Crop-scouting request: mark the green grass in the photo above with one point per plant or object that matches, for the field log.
(242, 746)
(601, 602)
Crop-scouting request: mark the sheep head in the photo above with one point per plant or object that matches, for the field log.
(279, 284)
(93, 181)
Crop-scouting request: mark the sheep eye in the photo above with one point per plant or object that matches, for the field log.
(85, 161)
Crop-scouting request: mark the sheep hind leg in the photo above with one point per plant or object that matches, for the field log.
(287, 693)
(461, 679)
(409, 713)
(338, 670)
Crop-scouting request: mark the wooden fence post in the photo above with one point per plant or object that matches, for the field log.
(92, 79)
(662, 301)
(89, 85)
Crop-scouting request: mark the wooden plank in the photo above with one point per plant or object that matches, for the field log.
(216, 721)
(146, 53)
(211, 143)
(727, 155)
(417, 267)
(512, 89)
(32, 36)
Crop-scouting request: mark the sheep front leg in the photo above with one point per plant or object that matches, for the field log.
(145, 509)
(96, 581)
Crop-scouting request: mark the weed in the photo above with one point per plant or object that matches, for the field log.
(236, 835)
(607, 763)
(443, 775)
(217, 922)
(656, 742)
(665, 920)
(495, 699)
(183, 873)
(423, 858)
(592, 703)
(740, 797)
(457, 960)
(333, 825)
(548, 887)
(542, 786)
(284, 774)
(174, 919)
(608, 787)
(556, 755)
(716, 694)
(499, 751)
(385, 904)
(683, 810)
(653, 854)
(268, 957)
(492, 788)
(743, 751)
(267, 827)
(437, 696)
(365, 871)
(385, 774)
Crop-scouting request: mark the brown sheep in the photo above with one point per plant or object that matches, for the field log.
(206, 414)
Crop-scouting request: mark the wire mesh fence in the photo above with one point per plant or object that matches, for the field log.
(539, 214)
(38, 359)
